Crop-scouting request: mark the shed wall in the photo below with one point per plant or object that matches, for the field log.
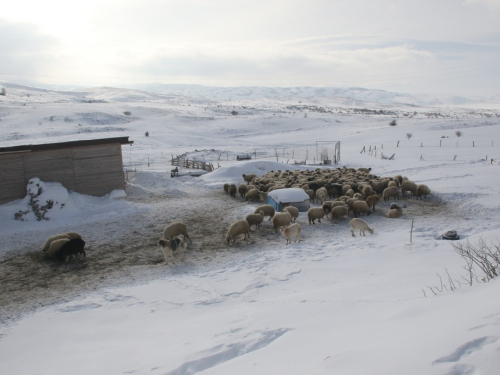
(92, 170)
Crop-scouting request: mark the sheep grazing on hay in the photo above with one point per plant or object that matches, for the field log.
(291, 231)
(358, 224)
(176, 229)
(237, 228)
(423, 191)
(255, 219)
(171, 247)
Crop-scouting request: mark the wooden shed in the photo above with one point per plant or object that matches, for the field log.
(282, 198)
(92, 167)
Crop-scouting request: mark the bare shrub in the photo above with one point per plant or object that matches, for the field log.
(393, 123)
(127, 113)
(409, 135)
(458, 133)
(481, 255)
(234, 113)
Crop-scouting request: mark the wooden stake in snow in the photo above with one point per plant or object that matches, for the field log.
(411, 230)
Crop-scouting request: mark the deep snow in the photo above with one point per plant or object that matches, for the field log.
(330, 304)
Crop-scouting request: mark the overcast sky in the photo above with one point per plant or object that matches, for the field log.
(420, 46)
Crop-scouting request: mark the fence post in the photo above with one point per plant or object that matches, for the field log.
(421, 145)
(440, 142)
(473, 144)
(397, 144)
(411, 230)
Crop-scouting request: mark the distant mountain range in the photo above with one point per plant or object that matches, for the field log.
(257, 92)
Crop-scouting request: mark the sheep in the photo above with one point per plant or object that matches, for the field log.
(175, 229)
(349, 193)
(255, 219)
(423, 190)
(232, 190)
(345, 188)
(71, 247)
(339, 212)
(360, 207)
(311, 194)
(394, 211)
(390, 192)
(237, 228)
(294, 211)
(364, 170)
(322, 194)
(372, 200)
(410, 186)
(171, 247)
(291, 231)
(315, 213)
(281, 219)
(361, 225)
(226, 187)
(367, 190)
(242, 189)
(253, 194)
(69, 235)
(392, 183)
(268, 210)
(248, 178)
(55, 246)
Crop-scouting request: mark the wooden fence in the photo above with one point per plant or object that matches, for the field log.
(193, 164)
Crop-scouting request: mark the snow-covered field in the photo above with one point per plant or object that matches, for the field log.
(331, 304)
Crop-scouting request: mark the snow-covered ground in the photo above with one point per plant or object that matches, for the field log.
(329, 304)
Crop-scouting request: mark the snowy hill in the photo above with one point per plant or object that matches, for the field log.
(397, 301)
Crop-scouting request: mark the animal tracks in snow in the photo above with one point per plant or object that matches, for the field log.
(85, 306)
(225, 352)
(456, 358)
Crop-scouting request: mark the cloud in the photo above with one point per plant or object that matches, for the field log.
(24, 50)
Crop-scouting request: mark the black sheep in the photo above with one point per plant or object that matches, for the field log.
(74, 246)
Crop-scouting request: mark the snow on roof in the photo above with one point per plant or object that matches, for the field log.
(289, 195)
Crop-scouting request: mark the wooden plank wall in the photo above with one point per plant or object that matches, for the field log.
(92, 170)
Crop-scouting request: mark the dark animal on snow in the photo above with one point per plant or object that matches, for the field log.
(72, 247)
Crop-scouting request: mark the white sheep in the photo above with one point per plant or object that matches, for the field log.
(268, 210)
(294, 211)
(423, 190)
(253, 194)
(394, 211)
(281, 219)
(360, 225)
(255, 219)
(391, 191)
(315, 213)
(364, 170)
(237, 228)
(175, 229)
(291, 231)
(249, 177)
(242, 189)
(55, 246)
(339, 212)
(68, 235)
(171, 247)
(410, 186)
(360, 207)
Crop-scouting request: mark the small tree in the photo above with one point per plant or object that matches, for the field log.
(234, 113)
(458, 133)
(408, 135)
(393, 123)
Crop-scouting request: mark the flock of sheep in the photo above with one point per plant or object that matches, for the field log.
(339, 191)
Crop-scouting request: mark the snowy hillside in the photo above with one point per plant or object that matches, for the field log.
(385, 303)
